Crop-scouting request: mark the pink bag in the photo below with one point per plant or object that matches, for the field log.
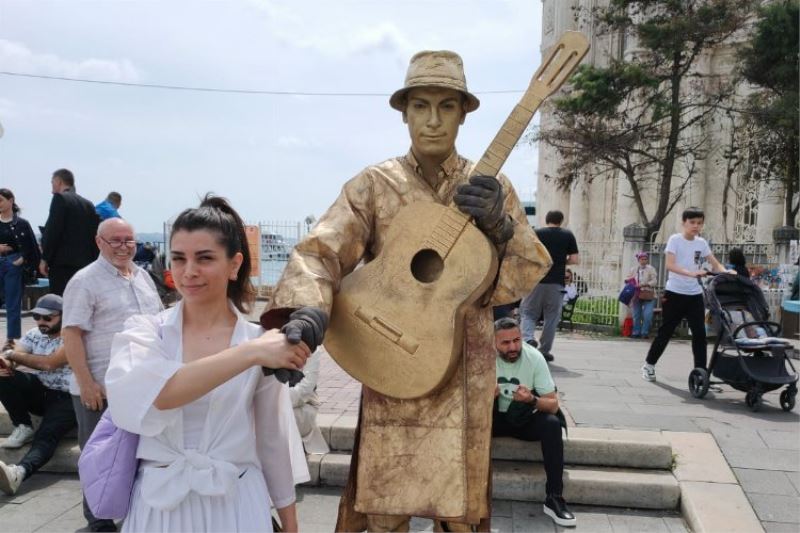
(107, 468)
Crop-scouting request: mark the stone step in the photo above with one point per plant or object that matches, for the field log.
(525, 481)
(583, 446)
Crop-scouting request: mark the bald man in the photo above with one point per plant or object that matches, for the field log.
(97, 302)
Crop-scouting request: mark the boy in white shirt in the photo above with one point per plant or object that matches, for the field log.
(686, 252)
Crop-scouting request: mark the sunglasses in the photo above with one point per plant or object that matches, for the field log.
(46, 318)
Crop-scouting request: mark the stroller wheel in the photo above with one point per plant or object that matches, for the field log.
(787, 400)
(753, 400)
(698, 382)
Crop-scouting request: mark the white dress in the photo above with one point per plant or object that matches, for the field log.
(225, 476)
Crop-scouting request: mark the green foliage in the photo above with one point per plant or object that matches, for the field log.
(641, 118)
(770, 61)
(771, 58)
(600, 91)
(596, 310)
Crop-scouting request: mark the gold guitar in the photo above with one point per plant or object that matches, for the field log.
(397, 322)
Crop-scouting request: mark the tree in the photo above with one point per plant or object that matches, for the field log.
(770, 62)
(642, 119)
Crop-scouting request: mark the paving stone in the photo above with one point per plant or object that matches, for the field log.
(589, 521)
(593, 418)
(636, 524)
(764, 482)
(712, 507)
(759, 459)
(784, 440)
(698, 458)
(779, 527)
(772, 508)
(794, 478)
(502, 524)
(728, 435)
(501, 508)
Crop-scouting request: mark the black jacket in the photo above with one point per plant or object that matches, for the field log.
(26, 243)
(68, 236)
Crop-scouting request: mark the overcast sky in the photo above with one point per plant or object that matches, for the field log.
(276, 157)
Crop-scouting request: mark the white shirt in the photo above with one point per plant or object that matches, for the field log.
(98, 300)
(689, 255)
(249, 429)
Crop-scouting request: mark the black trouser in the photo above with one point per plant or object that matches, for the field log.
(58, 276)
(547, 429)
(676, 307)
(22, 394)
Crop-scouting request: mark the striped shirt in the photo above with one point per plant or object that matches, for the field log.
(98, 300)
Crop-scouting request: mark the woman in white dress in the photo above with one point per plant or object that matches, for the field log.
(219, 445)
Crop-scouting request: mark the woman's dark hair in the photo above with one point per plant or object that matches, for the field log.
(8, 195)
(736, 257)
(692, 212)
(216, 215)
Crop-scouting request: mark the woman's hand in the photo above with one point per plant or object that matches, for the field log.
(19, 261)
(273, 350)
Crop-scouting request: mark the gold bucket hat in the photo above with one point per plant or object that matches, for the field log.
(435, 68)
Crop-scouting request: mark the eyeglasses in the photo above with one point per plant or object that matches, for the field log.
(118, 244)
(45, 318)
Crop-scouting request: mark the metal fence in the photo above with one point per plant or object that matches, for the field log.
(277, 241)
(597, 279)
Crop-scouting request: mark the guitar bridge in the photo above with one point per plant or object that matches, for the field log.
(388, 330)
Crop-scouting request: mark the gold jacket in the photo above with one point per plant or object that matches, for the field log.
(429, 456)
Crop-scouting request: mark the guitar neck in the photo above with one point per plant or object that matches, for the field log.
(560, 61)
(505, 140)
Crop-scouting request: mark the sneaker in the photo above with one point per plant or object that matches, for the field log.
(556, 508)
(11, 477)
(648, 372)
(533, 343)
(548, 357)
(21, 435)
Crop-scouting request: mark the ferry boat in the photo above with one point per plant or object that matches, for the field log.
(274, 248)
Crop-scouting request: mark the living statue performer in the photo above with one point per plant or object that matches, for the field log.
(430, 456)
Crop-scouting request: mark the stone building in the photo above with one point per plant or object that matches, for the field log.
(600, 211)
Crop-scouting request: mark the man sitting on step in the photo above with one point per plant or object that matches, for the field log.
(526, 407)
(44, 393)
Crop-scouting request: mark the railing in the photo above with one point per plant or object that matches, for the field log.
(598, 282)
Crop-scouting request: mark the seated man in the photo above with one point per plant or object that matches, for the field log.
(306, 405)
(44, 393)
(526, 408)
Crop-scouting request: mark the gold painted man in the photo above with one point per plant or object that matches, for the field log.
(430, 456)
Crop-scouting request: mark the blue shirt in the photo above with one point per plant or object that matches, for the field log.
(106, 210)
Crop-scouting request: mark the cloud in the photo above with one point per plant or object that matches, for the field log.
(291, 141)
(16, 57)
(331, 35)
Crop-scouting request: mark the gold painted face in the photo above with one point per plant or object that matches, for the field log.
(433, 116)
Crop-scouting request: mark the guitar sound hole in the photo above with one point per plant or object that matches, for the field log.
(426, 266)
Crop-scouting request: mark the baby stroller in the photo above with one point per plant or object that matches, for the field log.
(748, 355)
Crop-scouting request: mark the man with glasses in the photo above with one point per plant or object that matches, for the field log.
(43, 392)
(97, 302)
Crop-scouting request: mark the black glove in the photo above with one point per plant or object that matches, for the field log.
(482, 198)
(307, 324)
